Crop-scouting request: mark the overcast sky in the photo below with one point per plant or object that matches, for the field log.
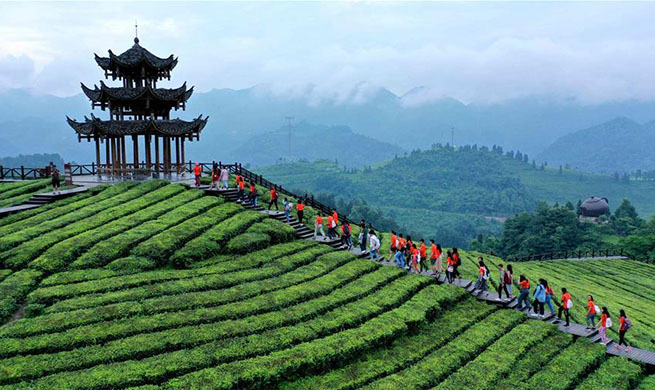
(592, 52)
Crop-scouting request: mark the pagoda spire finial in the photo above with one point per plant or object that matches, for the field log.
(136, 32)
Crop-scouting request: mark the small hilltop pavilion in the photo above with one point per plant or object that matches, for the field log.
(140, 114)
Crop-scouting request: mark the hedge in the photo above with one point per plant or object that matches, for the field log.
(201, 282)
(134, 212)
(21, 231)
(438, 365)
(209, 354)
(93, 275)
(118, 246)
(648, 383)
(27, 188)
(87, 218)
(212, 240)
(266, 371)
(278, 231)
(4, 273)
(161, 246)
(403, 353)
(110, 330)
(567, 368)
(497, 360)
(132, 264)
(248, 242)
(45, 212)
(170, 340)
(13, 290)
(60, 321)
(615, 373)
(535, 359)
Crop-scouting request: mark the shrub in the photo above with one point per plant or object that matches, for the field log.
(276, 230)
(248, 242)
(132, 264)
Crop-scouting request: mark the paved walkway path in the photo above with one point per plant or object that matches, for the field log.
(38, 200)
(302, 231)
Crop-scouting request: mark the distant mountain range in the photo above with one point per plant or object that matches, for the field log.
(313, 142)
(36, 124)
(620, 145)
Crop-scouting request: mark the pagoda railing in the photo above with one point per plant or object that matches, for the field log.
(581, 254)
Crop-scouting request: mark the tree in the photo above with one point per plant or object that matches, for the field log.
(625, 220)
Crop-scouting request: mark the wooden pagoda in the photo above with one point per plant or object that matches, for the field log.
(140, 111)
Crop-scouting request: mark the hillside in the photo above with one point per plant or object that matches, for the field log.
(454, 193)
(628, 142)
(257, 308)
(313, 142)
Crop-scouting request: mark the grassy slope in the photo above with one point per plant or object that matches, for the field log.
(292, 315)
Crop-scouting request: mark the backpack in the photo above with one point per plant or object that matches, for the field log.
(485, 275)
(608, 322)
(459, 261)
(596, 309)
(569, 303)
(627, 324)
(506, 278)
(346, 230)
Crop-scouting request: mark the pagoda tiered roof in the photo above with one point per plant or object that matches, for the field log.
(136, 58)
(174, 127)
(105, 94)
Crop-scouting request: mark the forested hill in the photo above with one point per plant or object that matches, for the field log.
(620, 145)
(453, 194)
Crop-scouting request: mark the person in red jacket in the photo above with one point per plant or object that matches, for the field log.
(624, 325)
(451, 267)
(423, 253)
(214, 178)
(524, 295)
(273, 201)
(567, 303)
(197, 171)
(300, 206)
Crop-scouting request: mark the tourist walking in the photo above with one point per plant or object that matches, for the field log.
(346, 238)
(224, 177)
(509, 279)
(393, 245)
(539, 298)
(567, 304)
(253, 194)
(318, 226)
(483, 277)
(197, 171)
(241, 188)
(374, 245)
(549, 297)
(458, 262)
(287, 209)
(300, 208)
(55, 179)
(363, 235)
(435, 258)
(399, 256)
(624, 325)
(274, 197)
(524, 295)
(214, 178)
(592, 311)
(331, 233)
(423, 256)
(413, 253)
(502, 286)
(604, 323)
(450, 270)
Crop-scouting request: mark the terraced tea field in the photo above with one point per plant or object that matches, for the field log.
(154, 286)
(15, 193)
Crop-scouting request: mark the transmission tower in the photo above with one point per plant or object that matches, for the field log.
(289, 125)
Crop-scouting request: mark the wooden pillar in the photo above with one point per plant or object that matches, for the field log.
(108, 152)
(135, 147)
(124, 153)
(167, 143)
(182, 159)
(177, 154)
(147, 145)
(97, 154)
(157, 153)
(114, 155)
(116, 145)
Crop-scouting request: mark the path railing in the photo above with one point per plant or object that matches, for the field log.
(562, 255)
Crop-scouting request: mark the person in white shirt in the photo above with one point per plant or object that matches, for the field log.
(374, 245)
